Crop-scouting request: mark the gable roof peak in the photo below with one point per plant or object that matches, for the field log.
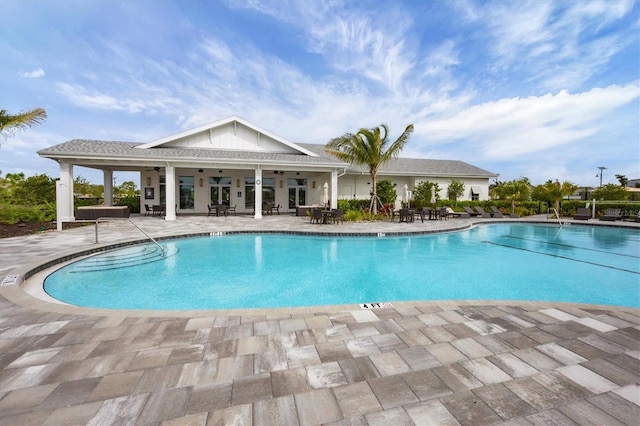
(223, 122)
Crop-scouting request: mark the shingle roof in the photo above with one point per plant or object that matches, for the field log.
(418, 166)
(95, 149)
(91, 149)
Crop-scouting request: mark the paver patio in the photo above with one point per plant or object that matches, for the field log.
(421, 362)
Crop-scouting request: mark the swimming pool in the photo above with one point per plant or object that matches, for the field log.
(587, 264)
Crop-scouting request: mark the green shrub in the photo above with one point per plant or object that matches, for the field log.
(132, 202)
(354, 215)
(12, 214)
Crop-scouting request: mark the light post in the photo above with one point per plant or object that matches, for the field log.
(600, 174)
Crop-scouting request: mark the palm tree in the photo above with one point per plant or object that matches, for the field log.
(556, 191)
(371, 148)
(10, 124)
(515, 190)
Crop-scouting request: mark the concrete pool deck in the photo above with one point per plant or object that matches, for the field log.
(421, 362)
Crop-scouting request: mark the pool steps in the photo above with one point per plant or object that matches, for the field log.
(130, 257)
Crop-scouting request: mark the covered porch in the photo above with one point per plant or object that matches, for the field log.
(192, 188)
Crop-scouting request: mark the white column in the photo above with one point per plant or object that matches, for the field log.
(107, 179)
(334, 189)
(258, 193)
(64, 195)
(170, 182)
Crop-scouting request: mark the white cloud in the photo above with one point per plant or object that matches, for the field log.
(558, 45)
(37, 73)
(508, 128)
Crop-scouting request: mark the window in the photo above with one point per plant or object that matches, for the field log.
(186, 192)
(475, 193)
(163, 189)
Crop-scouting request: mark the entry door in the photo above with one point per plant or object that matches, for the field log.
(297, 197)
(346, 192)
(220, 194)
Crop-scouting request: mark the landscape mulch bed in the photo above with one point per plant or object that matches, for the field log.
(27, 228)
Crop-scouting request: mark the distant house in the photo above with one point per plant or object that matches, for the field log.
(235, 162)
(633, 183)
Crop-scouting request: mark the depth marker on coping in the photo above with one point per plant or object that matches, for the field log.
(376, 305)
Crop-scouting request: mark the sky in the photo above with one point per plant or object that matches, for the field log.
(537, 89)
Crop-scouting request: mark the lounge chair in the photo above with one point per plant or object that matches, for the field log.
(611, 215)
(495, 212)
(452, 213)
(482, 212)
(470, 211)
(582, 214)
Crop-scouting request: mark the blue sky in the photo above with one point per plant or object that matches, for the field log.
(542, 89)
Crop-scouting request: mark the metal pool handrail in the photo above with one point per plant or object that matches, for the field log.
(106, 219)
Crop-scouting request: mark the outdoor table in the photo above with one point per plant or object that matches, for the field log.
(326, 215)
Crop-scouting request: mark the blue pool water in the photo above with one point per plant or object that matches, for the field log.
(598, 265)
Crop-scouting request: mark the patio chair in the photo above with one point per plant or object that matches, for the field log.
(337, 215)
(316, 216)
(496, 212)
(611, 215)
(482, 212)
(212, 210)
(425, 212)
(276, 208)
(406, 215)
(443, 213)
(582, 214)
(147, 210)
(470, 211)
(232, 209)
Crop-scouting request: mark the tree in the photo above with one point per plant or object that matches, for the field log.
(422, 193)
(10, 124)
(37, 189)
(371, 148)
(386, 192)
(84, 188)
(622, 179)
(554, 192)
(455, 190)
(515, 190)
(126, 190)
(610, 192)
